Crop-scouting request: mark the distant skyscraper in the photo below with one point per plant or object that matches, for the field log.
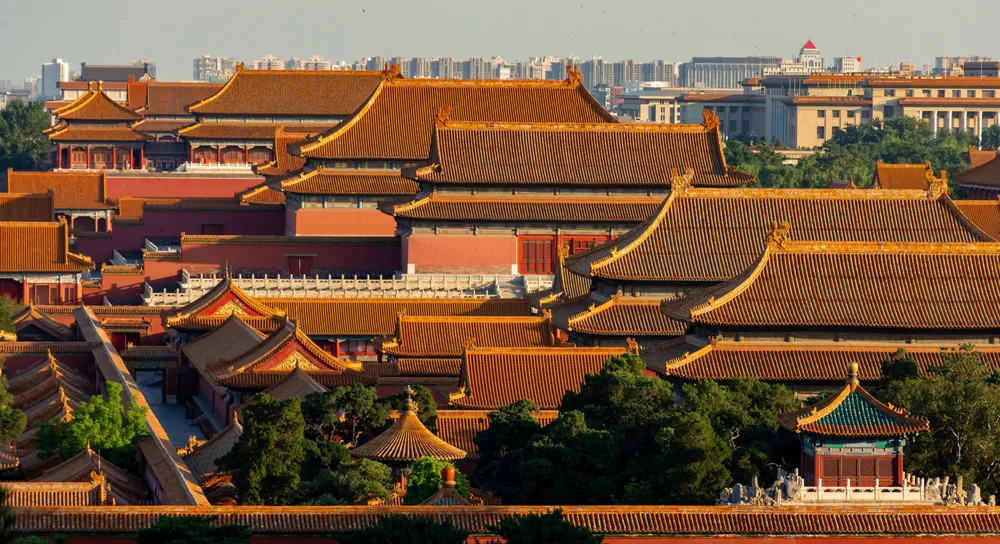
(404, 65)
(209, 68)
(268, 62)
(293, 64)
(476, 68)
(31, 84)
(420, 67)
(316, 62)
(376, 63)
(444, 68)
(724, 72)
(52, 73)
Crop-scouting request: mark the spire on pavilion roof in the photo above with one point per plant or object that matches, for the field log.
(407, 440)
(853, 412)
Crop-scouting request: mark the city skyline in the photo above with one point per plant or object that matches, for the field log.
(352, 30)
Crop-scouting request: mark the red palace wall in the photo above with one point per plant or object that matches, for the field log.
(377, 256)
(338, 222)
(459, 254)
(177, 186)
(174, 222)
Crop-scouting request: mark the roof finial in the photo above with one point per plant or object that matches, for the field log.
(391, 72)
(681, 182)
(448, 476)
(236, 416)
(100, 85)
(633, 346)
(778, 235)
(711, 120)
(852, 374)
(442, 116)
(88, 447)
(411, 407)
(90, 86)
(573, 75)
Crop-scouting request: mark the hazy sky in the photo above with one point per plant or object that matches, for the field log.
(173, 32)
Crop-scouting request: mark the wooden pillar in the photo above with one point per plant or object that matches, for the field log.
(79, 290)
(899, 469)
(59, 149)
(71, 218)
(218, 153)
(190, 153)
(24, 291)
(246, 154)
(142, 158)
(88, 156)
(114, 157)
(107, 219)
(97, 221)
(70, 158)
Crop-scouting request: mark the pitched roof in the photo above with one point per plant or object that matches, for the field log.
(234, 130)
(95, 105)
(172, 98)
(396, 121)
(460, 427)
(334, 93)
(495, 377)
(260, 380)
(377, 316)
(59, 494)
(296, 384)
(150, 126)
(577, 154)
(799, 361)
(232, 337)
(126, 488)
(218, 304)
(903, 176)
(95, 133)
(407, 439)
(986, 174)
(284, 163)
(714, 234)
(985, 214)
(446, 336)
(39, 247)
(201, 459)
(330, 181)
(26, 207)
(979, 157)
(854, 284)
(852, 412)
(616, 316)
(262, 193)
(70, 190)
(525, 208)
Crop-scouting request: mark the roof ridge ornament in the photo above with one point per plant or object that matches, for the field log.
(574, 76)
(711, 120)
(391, 72)
(852, 375)
(936, 186)
(777, 236)
(633, 346)
(442, 116)
(681, 183)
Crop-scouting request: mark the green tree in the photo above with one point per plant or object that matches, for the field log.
(991, 137)
(424, 399)
(900, 366)
(267, 457)
(22, 144)
(962, 401)
(192, 530)
(425, 480)
(510, 427)
(8, 309)
(351, 483)
(12, 421)
(322, 455)
(109, 426)
(395, 529)
(362, 412)
(543, 529)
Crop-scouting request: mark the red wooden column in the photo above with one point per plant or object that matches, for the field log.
(69, 158)
(190, 153)
(218, 153)
(79, 291)
(59, 149)
(246, 154)
(24, 291)
(88, 156)
(142, 158)
(114, 158)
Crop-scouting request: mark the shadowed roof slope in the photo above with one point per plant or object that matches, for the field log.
(70, 190)
(26, 206)
(852, 412)
(396, 122)
(852, 284)
(438, 336)
(334, 93)
(95, 105)
(39, 247)
(172, 98)
(602, 154)
(711, 235)
(979, 157)
(985, 214)
(902, 176)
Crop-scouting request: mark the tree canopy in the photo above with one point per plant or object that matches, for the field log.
(961, 398)
(22, 144)
(425, 480)
(623, 438)
(395, 529)
(110, 427)
(8, 309)
(12, 421)
(268, 455)
(192, 530)
(546, 528)
(853, 152)
(351, 483)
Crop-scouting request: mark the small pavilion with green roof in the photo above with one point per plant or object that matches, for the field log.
(851, 438)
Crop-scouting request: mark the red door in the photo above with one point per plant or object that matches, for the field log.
(300, 266)
(536, 256)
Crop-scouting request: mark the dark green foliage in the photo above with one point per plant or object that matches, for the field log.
(424, 399)
(12, 421)
(899, 366)
(322, 455)
(8, 309)
(543, 529)
(110, 427)
(623, 438)
(962, 401)
(425, 480)
(364, 412)
(22, 144)
(353, 482)
(268, 455)
(991, 137)
(398, 529)
(853, 153)
(192, 530)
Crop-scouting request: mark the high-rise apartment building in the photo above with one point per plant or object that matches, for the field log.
(952, 66)
(376, 63)
(658, 70)
(420, 67)
(445, 68)
(724, 72)
(476, 68)
(627, 71)
(316, 62)
(52, 73)
(404, 65)
(268, 62)
(210, 68)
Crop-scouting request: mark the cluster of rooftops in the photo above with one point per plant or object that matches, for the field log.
(715, 281)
